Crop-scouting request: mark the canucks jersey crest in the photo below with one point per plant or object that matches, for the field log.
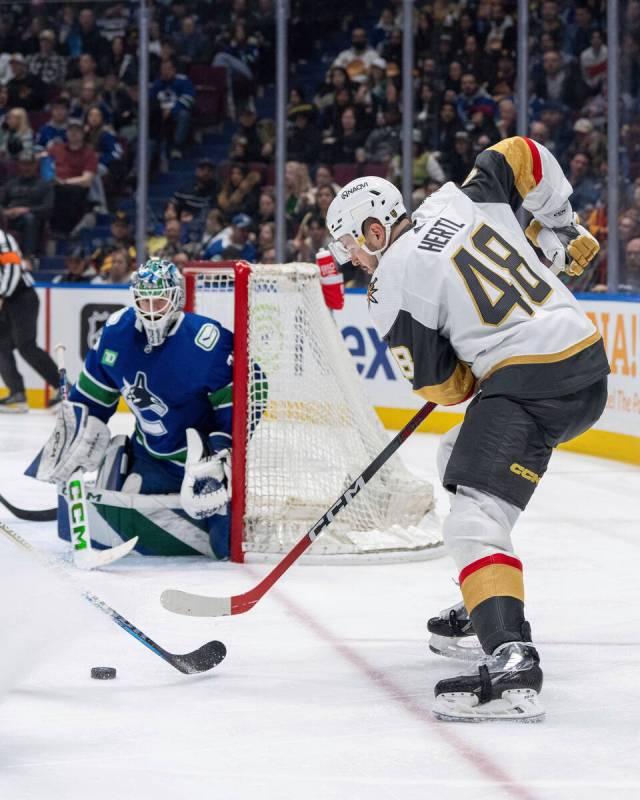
(140, 398)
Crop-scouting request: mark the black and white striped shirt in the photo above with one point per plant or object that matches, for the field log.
(13, 274)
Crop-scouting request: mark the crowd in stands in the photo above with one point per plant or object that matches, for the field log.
(69, 104)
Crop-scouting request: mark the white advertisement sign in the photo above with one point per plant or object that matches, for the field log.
(619, 323)
(386, 385)
(73, 316)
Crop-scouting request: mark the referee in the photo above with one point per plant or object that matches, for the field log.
(18, 324)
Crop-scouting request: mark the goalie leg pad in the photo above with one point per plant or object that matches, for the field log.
(78, 442)
(219, 525)
(115, 463)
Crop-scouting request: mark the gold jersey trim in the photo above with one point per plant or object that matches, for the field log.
(547, 358)
(454, 390)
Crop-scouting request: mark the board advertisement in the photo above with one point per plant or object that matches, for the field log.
(75, 315)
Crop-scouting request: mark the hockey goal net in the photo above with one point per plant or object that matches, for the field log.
(317, 432)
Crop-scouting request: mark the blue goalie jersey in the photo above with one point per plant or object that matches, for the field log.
(184, 383)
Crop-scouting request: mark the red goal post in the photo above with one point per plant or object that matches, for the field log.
(242, 271)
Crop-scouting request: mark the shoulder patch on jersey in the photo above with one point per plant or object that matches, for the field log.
(109, 357)
(207, 337)
(115, 317)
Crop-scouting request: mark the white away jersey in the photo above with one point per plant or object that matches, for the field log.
(462, 297)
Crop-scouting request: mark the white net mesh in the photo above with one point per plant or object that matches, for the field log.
(319, 430)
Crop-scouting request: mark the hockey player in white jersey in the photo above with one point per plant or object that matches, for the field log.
(468, 309)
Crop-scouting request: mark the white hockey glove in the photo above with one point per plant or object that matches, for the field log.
(206, 485)
(569, 249)
(78, 442)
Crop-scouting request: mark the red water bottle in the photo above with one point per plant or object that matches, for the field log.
(331, 280)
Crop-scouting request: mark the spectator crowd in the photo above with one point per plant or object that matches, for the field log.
(69, 105)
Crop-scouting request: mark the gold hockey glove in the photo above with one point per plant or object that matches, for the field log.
(570, 249)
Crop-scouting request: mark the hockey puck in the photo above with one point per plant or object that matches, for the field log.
(103, 673)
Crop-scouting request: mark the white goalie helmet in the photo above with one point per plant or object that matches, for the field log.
(358, 201)
(158, 298)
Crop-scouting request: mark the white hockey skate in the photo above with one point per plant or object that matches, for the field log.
(503, 686)
(452, 635)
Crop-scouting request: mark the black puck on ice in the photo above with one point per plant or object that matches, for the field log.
(103, 673)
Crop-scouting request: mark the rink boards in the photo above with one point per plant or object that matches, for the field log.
(75, 315)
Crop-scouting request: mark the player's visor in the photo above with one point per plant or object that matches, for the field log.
(343, 248)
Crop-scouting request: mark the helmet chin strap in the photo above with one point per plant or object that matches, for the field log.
(387, 236)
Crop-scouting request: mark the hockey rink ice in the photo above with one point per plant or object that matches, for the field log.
(327, 687)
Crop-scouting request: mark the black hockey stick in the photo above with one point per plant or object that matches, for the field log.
(39, 515)
(199, 605)
(200, 660)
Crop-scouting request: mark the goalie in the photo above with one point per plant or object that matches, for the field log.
(174, 371)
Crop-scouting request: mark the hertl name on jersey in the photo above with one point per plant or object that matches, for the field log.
(438, 236)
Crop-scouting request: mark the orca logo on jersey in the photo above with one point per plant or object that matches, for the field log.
(140, 398)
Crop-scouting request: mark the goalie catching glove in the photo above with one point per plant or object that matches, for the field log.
(206, 486)
(570, 249)
(78, 442)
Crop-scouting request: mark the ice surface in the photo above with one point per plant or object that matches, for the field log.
(327, 688)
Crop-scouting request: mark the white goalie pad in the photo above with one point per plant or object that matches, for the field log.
(157, 520)
(78, 442)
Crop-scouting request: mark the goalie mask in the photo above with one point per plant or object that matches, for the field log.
(359, 200)
(158, 298)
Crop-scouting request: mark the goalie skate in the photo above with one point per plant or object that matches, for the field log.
(452, 635)
(503, 686)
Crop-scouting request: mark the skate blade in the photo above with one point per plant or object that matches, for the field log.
(516, 705)
(464, 648)
(16, 408)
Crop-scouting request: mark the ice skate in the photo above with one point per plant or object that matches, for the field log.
(452, 635)
(502, 686)
(14, 403)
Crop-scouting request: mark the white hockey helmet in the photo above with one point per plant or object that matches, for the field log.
(359, 200)
(158, 298)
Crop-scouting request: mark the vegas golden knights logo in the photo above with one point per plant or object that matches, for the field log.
(371, 292)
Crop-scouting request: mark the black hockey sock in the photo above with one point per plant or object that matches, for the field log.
(498, 620)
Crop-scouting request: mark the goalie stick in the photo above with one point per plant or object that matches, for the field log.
(30, 515)
(196, 605)
(84, 556)
(200, 660)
